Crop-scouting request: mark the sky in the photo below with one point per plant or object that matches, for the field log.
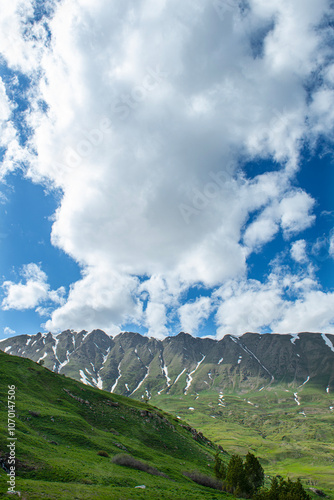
(166, 166)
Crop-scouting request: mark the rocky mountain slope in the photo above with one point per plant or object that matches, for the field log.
(137, 366)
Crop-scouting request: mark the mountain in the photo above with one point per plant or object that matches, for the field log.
(137, 366)
(269, 394)
(68, 438)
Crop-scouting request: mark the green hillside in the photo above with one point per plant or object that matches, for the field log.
(293, 440)
(61, 425)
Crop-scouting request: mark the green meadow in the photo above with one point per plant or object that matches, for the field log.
(290, 440)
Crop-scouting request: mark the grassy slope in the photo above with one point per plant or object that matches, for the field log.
(57, 450)
(273, 427)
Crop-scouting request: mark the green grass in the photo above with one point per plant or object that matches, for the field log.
(59, 434)
(273, 428)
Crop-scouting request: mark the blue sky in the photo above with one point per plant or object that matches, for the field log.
(166, 167)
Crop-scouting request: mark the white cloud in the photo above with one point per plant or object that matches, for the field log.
(262, 230)
(194, 313)
(8, 331)
(312, 313)
(284, 303)
(295, 212)
(246, 306)
(298, 251)
(331, 245)
(156, 320)
(150, 108)
(101, 299)
(290, 211)
(33, 292)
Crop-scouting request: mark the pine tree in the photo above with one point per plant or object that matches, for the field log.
(283, 490)
(219, 467)
(254, 473)
(235, 476)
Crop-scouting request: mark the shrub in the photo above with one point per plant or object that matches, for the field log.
(204, 480)
(103, 454)
(133, 463)
(34, 413)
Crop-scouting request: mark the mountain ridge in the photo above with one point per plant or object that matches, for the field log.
(135, 365)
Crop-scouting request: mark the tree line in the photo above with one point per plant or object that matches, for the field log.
(246, 479)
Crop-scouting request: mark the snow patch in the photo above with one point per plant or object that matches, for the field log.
(165, 372)
(119, 376)
(99, 382)
(328, 342)
(327, 390)
(308, 378)
(248, 351)
(220, 361)
(239, 360)
(294, 337)
(296, 398)
(179, 375)
(65, 362)
(44, 356)
(85, 336)
(7, 348)
(83, 378)
(141, 382)
(127, 387)
(28, 341)
(189, 378)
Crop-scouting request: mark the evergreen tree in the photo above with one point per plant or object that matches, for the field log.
(219, 467)
(235, 475)
(254, 473)
(283, 490)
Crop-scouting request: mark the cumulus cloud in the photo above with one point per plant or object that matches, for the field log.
(8, 331)
(34, 291)
(298, 251)
(331, 246)
(194, 313)
(283, 303)
(101, 299)
(151, 109)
